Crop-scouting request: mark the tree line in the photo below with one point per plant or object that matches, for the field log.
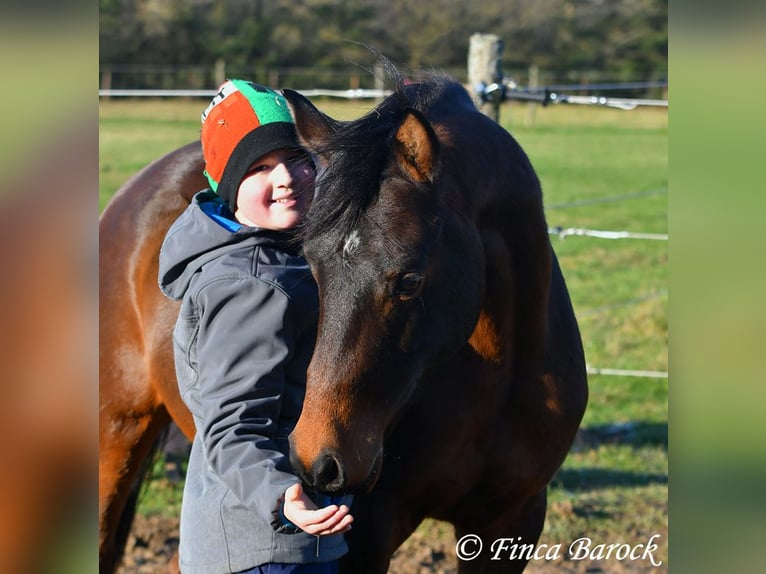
(146, 41)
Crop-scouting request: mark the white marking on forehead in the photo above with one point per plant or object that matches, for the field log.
(351, 245)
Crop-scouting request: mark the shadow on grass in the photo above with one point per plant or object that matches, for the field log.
(592, 478)
(634, 433)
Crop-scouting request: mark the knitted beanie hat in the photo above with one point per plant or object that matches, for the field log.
(243, 122)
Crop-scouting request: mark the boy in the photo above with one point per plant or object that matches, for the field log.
(243, 341)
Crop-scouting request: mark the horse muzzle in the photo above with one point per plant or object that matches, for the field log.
(330, 471)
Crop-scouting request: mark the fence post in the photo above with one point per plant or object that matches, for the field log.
(219, 72)
(484, 69)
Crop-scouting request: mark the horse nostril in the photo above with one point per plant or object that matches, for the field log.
(328, 474)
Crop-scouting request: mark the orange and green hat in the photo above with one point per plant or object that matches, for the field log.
(243, 122)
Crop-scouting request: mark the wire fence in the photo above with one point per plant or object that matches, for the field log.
(562, 233)
(352, 94)
(506, 89)
(547, 95)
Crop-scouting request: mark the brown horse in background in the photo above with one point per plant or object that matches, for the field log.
(138, 392)
(448, 379)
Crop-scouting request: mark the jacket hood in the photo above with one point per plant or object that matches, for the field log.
(204, 231)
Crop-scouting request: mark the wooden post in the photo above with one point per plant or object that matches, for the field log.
(484, 69)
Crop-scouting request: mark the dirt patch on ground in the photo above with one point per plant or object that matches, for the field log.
(154, 540)
(430, 550)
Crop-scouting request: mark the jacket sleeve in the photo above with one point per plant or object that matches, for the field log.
(245, 338)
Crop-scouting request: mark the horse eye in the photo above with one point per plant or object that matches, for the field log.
(409, 285)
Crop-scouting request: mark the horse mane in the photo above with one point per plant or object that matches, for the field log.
(349, 185)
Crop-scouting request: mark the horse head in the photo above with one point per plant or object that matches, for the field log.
(399, 271)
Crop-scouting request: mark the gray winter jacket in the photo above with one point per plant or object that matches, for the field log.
(242, 342)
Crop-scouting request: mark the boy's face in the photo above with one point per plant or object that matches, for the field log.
(276, 191)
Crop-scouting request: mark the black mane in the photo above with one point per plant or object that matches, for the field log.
(359, 150)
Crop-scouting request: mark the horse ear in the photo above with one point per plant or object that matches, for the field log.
(313, 126)
(416, 147)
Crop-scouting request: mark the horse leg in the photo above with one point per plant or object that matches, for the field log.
(524, 525)
(126, 443)
(381, 525)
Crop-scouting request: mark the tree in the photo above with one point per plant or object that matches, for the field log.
(626, 39)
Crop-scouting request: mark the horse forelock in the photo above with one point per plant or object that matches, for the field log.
(356, 155)
(359, 151)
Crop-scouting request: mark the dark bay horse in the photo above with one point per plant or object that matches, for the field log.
(448, 378)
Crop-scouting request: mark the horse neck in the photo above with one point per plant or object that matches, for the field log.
(503, 201)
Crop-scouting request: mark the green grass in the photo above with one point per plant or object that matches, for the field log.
(161, 494)
(613, 486)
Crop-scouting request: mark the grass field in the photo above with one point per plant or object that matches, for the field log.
(600, 169)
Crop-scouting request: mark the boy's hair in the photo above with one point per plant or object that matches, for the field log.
(243, 122)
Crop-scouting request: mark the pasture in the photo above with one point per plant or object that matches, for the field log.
(600, 169)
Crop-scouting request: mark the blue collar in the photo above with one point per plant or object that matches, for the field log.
(219, 212)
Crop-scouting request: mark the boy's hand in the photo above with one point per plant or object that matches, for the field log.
(301, 511)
